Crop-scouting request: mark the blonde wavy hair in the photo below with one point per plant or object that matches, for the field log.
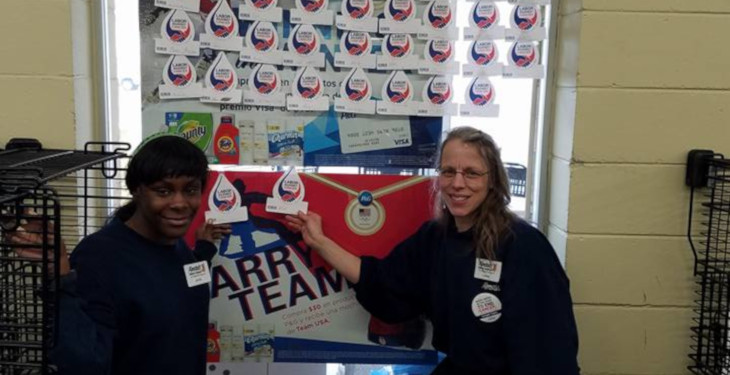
(492, 218)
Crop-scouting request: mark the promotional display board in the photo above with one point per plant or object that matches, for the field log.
(275, 299)
(287, 70)
(359, 83)
(228, 84)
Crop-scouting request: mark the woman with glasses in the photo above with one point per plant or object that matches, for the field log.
(490, 283)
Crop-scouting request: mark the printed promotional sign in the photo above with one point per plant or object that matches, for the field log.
(313, 12)
(255, 80)
(275, 299)
(177, 34)
(324, 144)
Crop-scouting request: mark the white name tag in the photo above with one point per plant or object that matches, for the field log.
(489, 270)
(197, 273)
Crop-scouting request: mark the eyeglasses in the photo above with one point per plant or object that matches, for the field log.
(469, 174)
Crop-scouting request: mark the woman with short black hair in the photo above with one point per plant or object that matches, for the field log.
(127, 305)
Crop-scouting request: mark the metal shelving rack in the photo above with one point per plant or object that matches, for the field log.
(710, 352)
(54, 194)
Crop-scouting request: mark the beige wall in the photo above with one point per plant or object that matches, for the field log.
(36, 73)
(640, 82)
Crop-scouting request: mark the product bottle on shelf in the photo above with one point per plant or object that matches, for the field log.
(225, 343)
(260, 144)
(226, 142)
(214, 349)
(246, 136)
(237, 344)
(249, 341)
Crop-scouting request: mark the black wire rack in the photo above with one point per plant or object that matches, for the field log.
(49, 200)
(710, 351)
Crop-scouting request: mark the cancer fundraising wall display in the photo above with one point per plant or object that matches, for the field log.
(275, 299)
(272, 75)
(331, 83)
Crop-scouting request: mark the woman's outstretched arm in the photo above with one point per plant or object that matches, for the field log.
(310, 226)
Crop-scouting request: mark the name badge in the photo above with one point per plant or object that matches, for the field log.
(197, 273)
(489, 270)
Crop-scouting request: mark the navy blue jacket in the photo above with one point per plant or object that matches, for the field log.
(130, 310)
(433, 273)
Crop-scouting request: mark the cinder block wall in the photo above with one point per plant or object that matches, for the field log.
(639, 84)
(36, 73)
